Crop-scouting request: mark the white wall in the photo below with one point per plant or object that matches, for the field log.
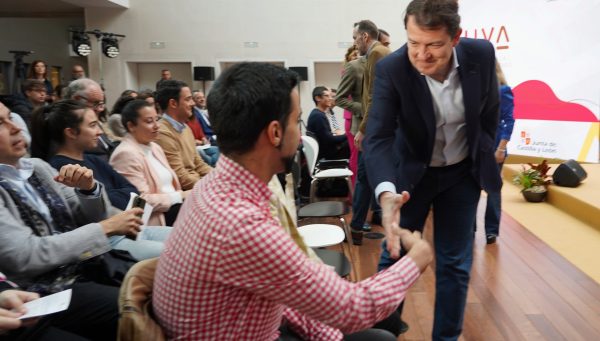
(48, 37)
(207, 33)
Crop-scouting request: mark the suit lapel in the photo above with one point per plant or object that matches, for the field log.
(470, 79)
(422, 96)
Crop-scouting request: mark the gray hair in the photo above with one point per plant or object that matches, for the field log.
(79, 87)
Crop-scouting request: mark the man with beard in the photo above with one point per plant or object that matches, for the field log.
(231, 272)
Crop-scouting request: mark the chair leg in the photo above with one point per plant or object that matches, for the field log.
(313, 190)
(350, 189)
(348, 233)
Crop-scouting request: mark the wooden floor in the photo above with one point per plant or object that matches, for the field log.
(520, 289)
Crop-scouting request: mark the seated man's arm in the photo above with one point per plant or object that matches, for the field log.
(324, 134)
(187, 177)
(25, 254)
(277, 270)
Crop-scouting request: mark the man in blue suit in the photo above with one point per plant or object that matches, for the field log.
(430, 137)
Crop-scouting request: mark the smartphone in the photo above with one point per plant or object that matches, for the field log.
(138, 202)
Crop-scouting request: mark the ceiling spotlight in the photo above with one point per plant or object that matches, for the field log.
(81, 44)
(110, 46)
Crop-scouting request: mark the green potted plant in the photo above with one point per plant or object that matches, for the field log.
(535, 180)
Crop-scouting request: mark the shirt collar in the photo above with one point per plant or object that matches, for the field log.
(22, 172)
(371, 48)
(241, 176)
(177, 125)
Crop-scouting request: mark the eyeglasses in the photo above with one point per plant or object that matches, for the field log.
(94, 105)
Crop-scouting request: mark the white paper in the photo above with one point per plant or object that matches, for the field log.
(48, 305)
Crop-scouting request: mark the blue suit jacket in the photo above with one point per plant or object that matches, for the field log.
(205, 127)
(401, 128)
(318, 124)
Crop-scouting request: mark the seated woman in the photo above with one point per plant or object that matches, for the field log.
(144, 163)
(61, 133)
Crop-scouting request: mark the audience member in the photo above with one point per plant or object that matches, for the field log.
(20, 123)
(348, 97)
(245, 271)
(505, 128)
(203, 117)
(58, 90)
(331, 146)
(175, 137)
(431, 133)
(41, 246)
(61, 134)
(165, 75)
(33, 96)
(365, 37)
(210, 154)
(77, 72)
(60, 326)
(149, 96)
(39, 71)
(90, 93)
(114, 122)
(336, 127)
(144, 163)
(384, 38)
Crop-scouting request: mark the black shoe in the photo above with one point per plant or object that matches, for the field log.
(490, 239)
(357, 237)
(376, 218)
(403, 327)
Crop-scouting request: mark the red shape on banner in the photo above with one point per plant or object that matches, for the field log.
(535, 100)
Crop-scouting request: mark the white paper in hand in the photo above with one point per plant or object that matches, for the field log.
(48, 305)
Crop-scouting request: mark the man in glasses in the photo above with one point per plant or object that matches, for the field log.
(90, 93)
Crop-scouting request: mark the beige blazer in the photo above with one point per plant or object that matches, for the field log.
(130, 161)
(375, 53)
(349, 91)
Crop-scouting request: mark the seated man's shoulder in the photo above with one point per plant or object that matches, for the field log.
(41, 165)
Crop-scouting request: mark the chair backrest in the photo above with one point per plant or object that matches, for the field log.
(310, 147)
(136, 322)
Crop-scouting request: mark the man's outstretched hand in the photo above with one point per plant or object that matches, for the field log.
(391, 203)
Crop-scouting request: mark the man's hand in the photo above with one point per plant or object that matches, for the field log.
(76, 176)
(125, 223)
(358, 138)
(338, 132)
(11, 308)
(500, 155)
(418, 249)
(390, 208)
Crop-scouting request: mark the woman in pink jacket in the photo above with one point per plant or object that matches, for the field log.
(145, 165)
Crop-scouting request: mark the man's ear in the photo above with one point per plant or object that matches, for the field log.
(173, 103)
(456, 37)
(274, 133)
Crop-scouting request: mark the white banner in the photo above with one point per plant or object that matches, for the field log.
(549, 52)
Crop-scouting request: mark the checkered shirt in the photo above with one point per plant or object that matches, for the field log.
(230, 272)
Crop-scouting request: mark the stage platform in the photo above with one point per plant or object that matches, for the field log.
(569, 220)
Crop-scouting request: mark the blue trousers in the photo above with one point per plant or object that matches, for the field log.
(493, 210)
(210, 155)
(454, 194)
(363, 196)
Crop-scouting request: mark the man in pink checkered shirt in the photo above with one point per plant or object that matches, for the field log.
(229, 271)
